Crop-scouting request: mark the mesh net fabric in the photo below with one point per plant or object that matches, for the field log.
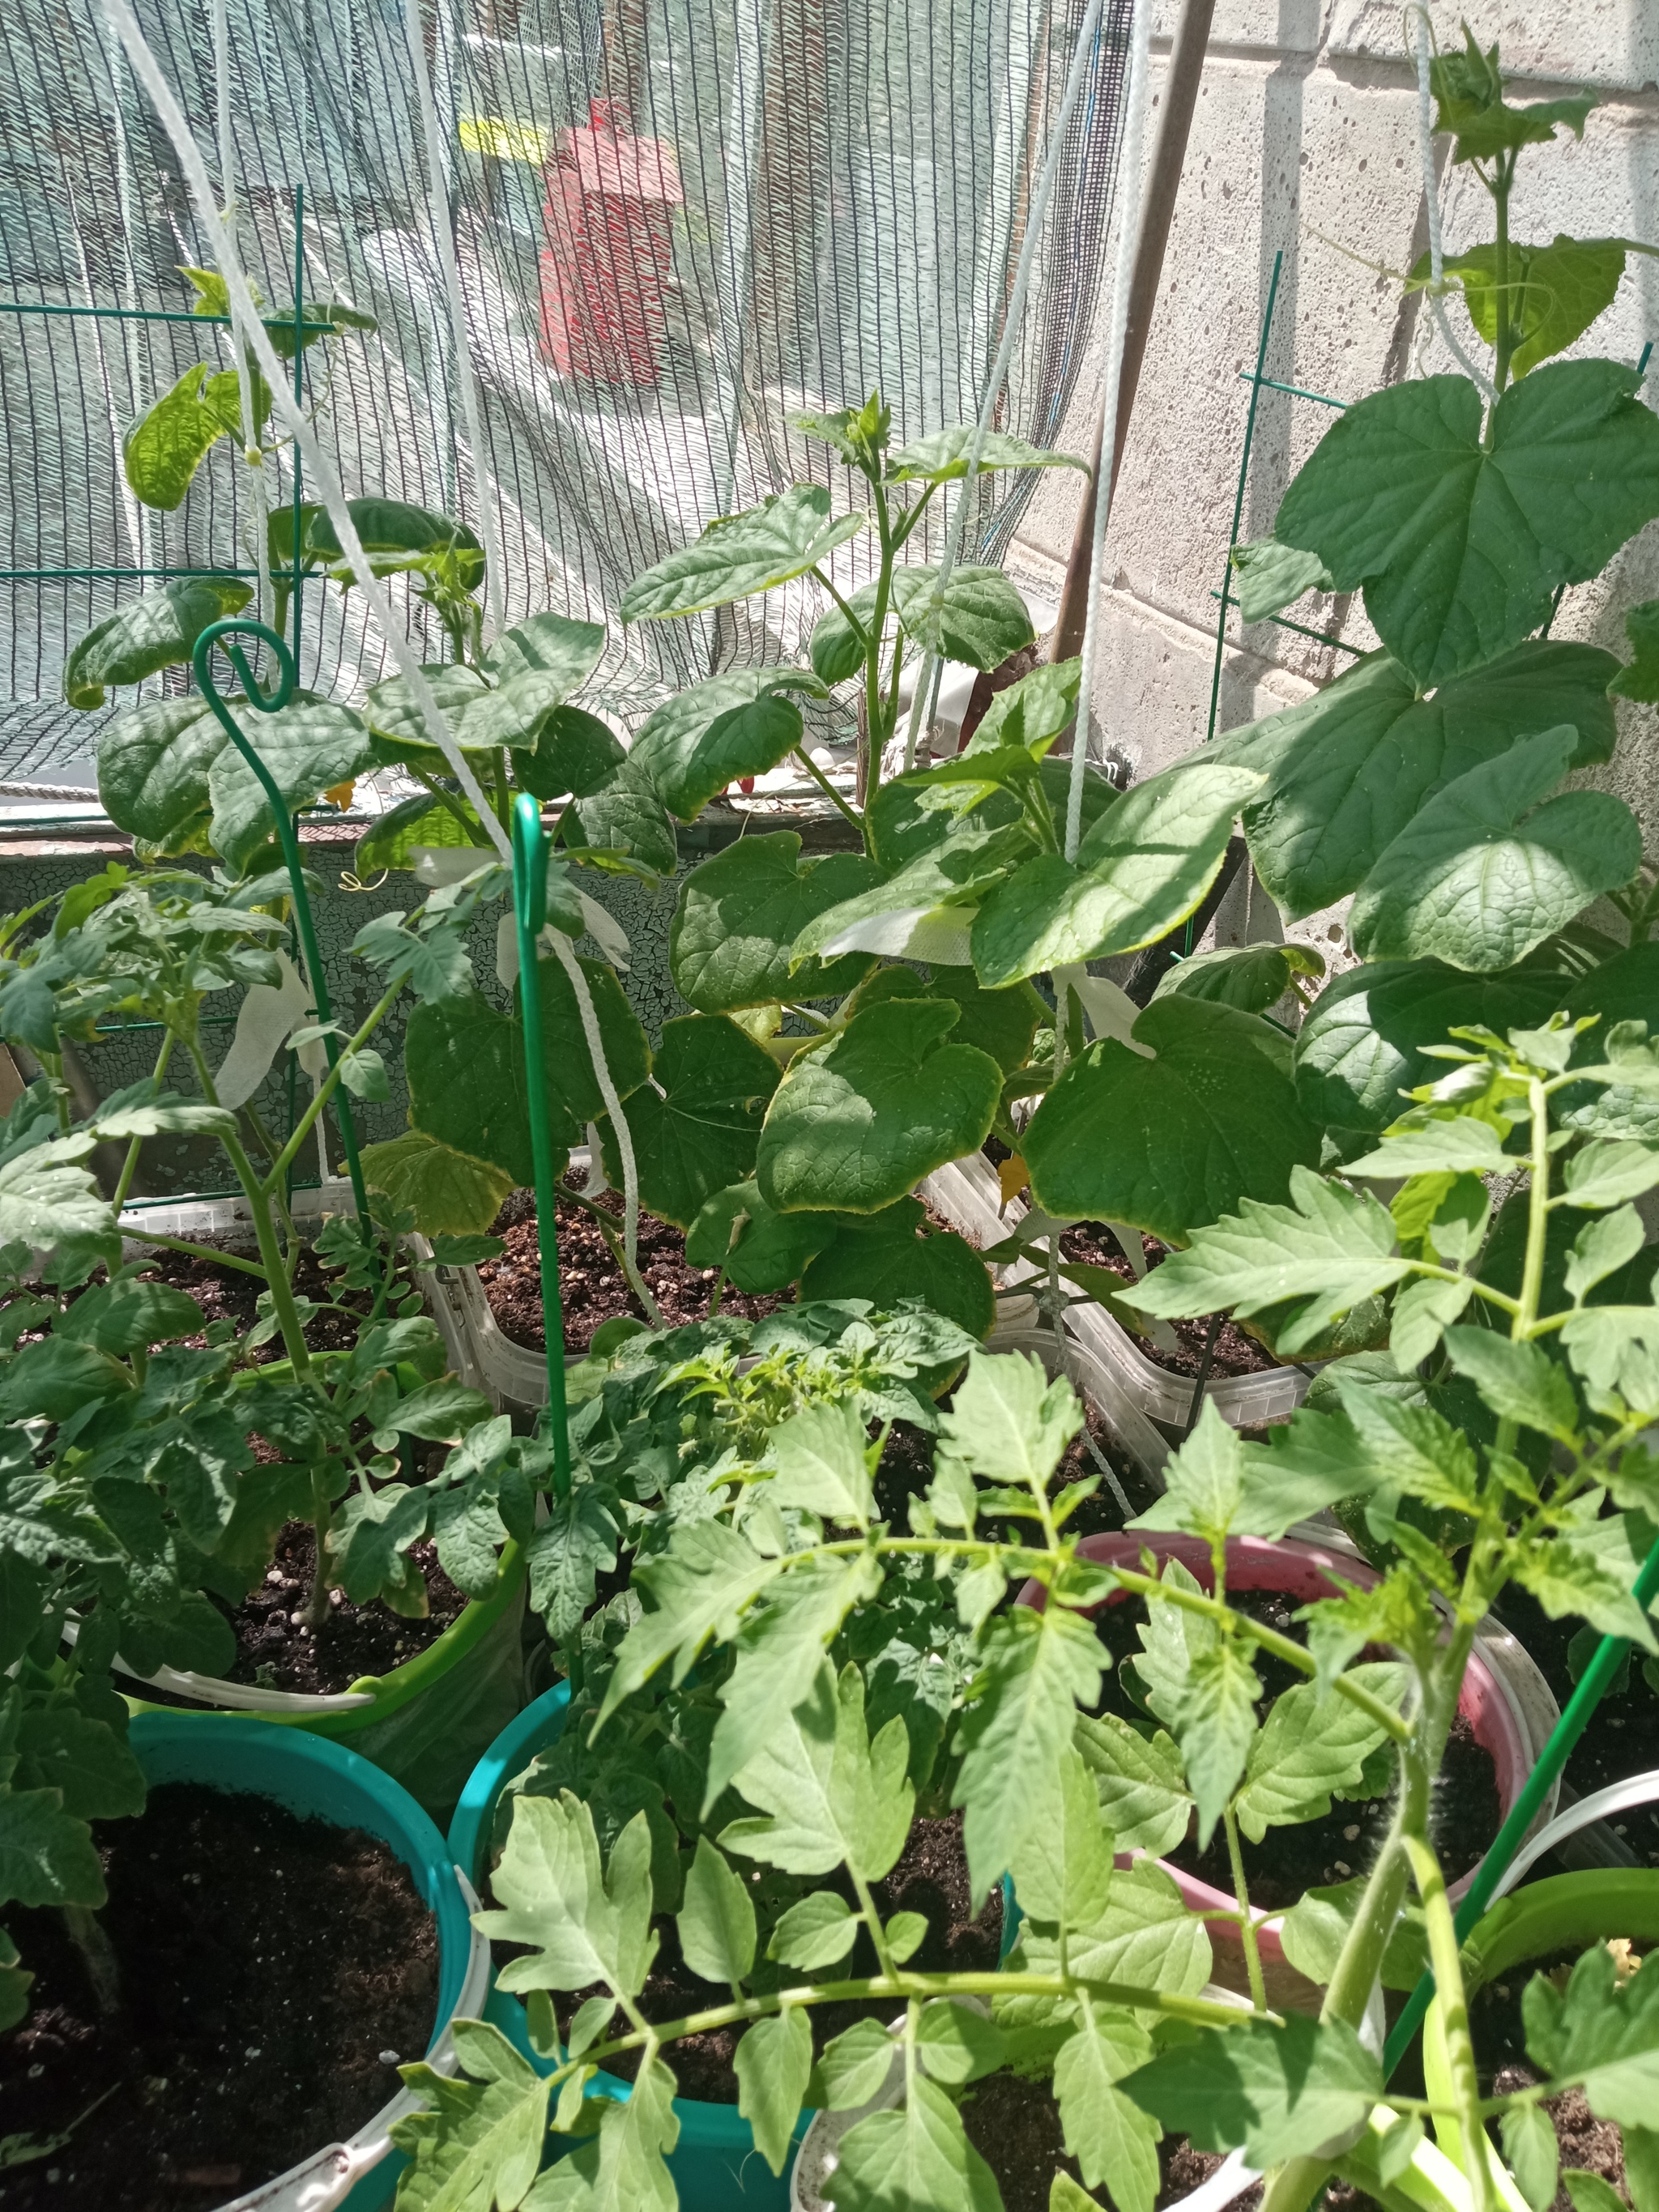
(675, 221)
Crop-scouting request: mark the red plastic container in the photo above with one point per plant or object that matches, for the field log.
(1304, 1572)
(610, 250)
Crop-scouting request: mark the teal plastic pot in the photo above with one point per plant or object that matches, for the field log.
(324, 1781)
(714, 2164)
(424, 1721)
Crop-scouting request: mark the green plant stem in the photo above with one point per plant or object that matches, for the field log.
(829, 791)
(1247, 1917)
(450, 801)
(1200, 2011)
(872, 1922)
(130, 1165)
(910, 518)
(874, 714)
(203, 1252)
(1503, 336)
(1538, 1214)
(503, 813)
(91, 1939)
(325, 1090)
(821, 576)
(1460, 2048)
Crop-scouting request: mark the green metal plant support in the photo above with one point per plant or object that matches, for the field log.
(224, 634)
(1592, 1687)
(530, 913)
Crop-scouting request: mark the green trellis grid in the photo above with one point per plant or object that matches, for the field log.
(293, 577)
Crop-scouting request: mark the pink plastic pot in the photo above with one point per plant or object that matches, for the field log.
(1304, 1572)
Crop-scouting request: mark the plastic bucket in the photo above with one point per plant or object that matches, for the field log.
(423, 1723)
(714, 2164)
(1305, 1572)
(325, 1782)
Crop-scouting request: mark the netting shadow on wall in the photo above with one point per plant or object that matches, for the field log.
(673, 222)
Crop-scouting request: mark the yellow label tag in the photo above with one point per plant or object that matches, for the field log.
(1012, 1175)
(502, 140)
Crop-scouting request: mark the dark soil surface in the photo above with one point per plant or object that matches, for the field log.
(906, 1468)
(593, 1287)
(1623, 1736)
(1014, 2125)
(1464, 1815)
(1234, 1352)
(225, 1293)
(274, 1970)
(931, 1878)
(1500, 2052)
(277, 1651)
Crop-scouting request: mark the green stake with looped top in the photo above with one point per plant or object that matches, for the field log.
(1592, 1687)
(224, 634)
(530, 913)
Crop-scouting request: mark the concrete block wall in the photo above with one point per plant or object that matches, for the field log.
(1304, 143)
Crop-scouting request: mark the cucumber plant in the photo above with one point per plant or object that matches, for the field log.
(1508, 1425)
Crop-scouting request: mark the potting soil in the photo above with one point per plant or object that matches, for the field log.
(931, 1878)
(276, 1648)
(1500, 2051)
(1235, 1351)
(1465, 1810)
(593, 1287)
(274, 1971)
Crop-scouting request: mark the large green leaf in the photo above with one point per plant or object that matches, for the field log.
(46, 1195)
(1352, 766)
(393, 715)
(738, 915)
(550, 645)
(449, 1194)
(727, 726)
(1039, 707)
(1468, 93)
(916, 2160)
(903, 823)
(772, 2063)
(46, 1856)
(1039, 1669)
(478, 2142)
(580, 1922)
(306, 747)
(1139, 1782)
(924, 911)
(1271, 576)
(1460, 546)
(398, 538)
(161, 451)
(575, 752)
(1310, 1747)
(856, 1125)
(152, 763)
(1330, 1245)
(1251, 977)
(155, 632)
(1484, 873)
(827, 1794)
(697, 1123)
(1170, 1143)
(1553, 293)
(1639, 677)
(1146, 1936)
(741, 554)
(466, 1075)
(93, 1769)
(1143, 867)
(1277, 2091)
(1004, 1023)
(760, 1250)
(892, 1257)
(1363, 1045)
(978, 619)
(626, 814)
(943, 456)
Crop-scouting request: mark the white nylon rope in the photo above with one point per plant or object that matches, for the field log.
(1129, 165)
(264, 604)
(921, 705)
(437, 174)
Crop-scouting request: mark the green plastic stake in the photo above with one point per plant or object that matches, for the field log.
(529, 912)
(225, 634)
(1592, 1687)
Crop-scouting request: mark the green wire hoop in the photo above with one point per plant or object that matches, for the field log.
(224, 635)
(530, 913)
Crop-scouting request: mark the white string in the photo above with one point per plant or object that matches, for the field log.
(568, 960)
(921, 705)
(1636, 1789)
(1431, 201)
(437, 174)
(323, 473)
(1128, 235)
